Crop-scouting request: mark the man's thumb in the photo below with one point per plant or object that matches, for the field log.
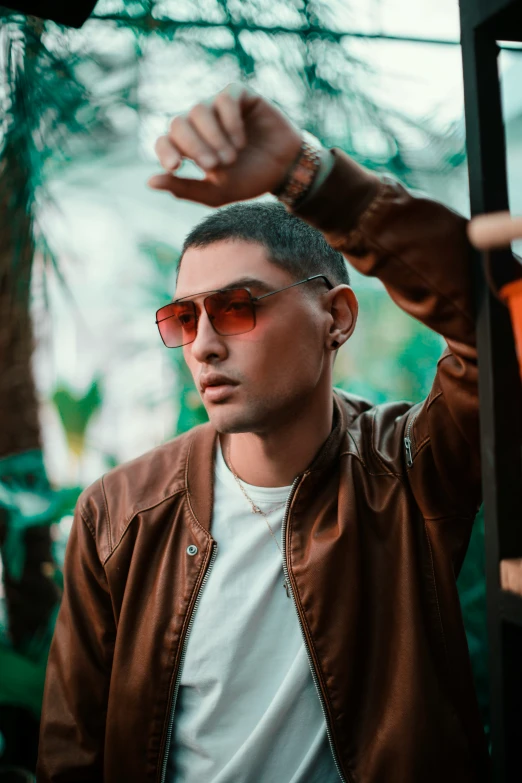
(190, 189)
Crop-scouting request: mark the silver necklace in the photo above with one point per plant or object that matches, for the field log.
(260, 512)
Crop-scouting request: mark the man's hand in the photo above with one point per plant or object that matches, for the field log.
(244, 145)
(495, 230)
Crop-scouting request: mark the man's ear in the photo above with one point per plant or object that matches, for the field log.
(344, 308)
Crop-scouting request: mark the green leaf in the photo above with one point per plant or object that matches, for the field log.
(75, 412)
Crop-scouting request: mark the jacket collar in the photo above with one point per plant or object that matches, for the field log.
(201, 456)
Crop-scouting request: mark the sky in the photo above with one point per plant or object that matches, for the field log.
(422, 18)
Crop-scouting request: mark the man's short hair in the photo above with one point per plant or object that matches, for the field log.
(290, 243)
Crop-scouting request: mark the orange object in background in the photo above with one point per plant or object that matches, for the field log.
(511, 294)
(511, 575)
(498, 230)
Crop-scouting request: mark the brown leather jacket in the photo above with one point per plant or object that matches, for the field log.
(374, 538)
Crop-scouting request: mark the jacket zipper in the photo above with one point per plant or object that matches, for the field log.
(310, 659)
(408, 442)
(180, 666)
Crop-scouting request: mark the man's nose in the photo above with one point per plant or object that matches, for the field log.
(208, 342)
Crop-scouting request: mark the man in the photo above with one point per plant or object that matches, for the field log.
(271, 597)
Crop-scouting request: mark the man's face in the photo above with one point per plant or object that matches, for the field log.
(274, 370)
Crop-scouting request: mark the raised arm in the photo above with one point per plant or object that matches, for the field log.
(417, 247)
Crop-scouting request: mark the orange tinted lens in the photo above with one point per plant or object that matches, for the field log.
(231, 312)
(177, 323)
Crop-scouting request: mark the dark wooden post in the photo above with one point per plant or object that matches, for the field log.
(483, 24)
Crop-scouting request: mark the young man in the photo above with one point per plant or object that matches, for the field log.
(271, 597)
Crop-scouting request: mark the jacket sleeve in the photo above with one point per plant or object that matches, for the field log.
(78, 673)
(418, 248)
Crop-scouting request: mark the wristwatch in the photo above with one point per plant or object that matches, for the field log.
(302, 173)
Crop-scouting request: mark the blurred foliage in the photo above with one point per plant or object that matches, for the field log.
(472, 591)
(75, 413)
(390, 356)
(71, 94)
(21, 679)
(29, 499)
(32, 502)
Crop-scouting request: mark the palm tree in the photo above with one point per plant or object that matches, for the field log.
(30, 594)
(49, 116)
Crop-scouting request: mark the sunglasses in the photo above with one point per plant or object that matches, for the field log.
(230, 311)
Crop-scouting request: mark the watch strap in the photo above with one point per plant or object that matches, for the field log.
(302, 173)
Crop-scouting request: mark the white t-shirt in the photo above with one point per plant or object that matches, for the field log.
(247, 709)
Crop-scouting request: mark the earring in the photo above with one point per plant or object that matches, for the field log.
(335, 344)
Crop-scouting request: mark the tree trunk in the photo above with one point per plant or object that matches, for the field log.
(31, 599)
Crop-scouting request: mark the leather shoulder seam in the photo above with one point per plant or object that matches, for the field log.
(109, 531)
(365, 466)
(436, 592)
(355, 447)
(192, 513)
(422, 445)
(348, 401)
(453, 517)
(88, 524)
(434, 398)
(90, 527)
(376, 453)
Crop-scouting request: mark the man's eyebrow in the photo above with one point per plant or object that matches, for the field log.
(249, 282)
(242, 282)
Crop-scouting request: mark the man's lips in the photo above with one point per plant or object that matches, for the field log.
(215, 379)
(216, 387)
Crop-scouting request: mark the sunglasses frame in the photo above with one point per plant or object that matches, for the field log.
(253, 300)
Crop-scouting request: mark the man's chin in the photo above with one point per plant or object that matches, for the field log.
(228, 422)
(231, 428)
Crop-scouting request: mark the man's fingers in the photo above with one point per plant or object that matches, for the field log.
(190, 189)
(189, 143)
(494, 230)
(227, 106)
(168, 156)
(205, 122)
(211, 134)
